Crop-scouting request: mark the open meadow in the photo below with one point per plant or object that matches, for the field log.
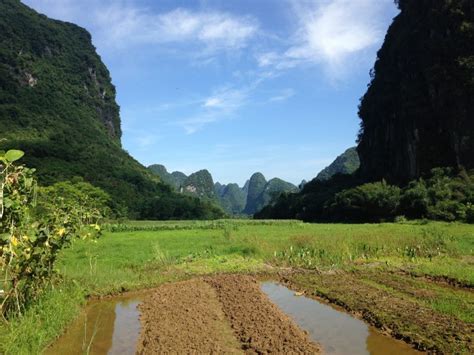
(398, 277)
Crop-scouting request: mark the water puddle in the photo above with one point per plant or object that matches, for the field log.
(110, 326)
(336, 331)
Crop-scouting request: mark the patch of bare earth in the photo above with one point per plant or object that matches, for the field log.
(260, 326)
(223, 314)
(185, 317)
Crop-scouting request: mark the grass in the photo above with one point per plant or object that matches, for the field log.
(137, 255)
(43, 321)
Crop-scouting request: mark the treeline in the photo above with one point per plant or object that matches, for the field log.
(444, 195)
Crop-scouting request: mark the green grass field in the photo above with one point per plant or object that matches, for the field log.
(137, 255)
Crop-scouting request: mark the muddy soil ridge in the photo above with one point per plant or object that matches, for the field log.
(221, 314)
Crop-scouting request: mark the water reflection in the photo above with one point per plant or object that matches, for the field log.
(110, 326)
(336, 331)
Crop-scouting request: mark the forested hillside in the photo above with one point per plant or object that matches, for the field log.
(57, 103)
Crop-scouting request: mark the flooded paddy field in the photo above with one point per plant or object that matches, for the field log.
(222, 314)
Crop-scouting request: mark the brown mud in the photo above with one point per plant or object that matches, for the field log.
(260, 326)
(222, 314)
(392, 306)
(185, 317)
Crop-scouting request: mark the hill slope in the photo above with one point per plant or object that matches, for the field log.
(174, 179)
(57, 103)
(199, 184)
(346, 163)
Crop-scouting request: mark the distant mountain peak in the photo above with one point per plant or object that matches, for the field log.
(346, 163)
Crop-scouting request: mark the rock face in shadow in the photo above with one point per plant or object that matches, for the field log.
(418, 112)
(256, 186)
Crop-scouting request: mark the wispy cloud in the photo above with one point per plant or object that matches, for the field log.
(215, 30)
(120, 25)
(282, 96)
(330, 33)
(222, 104)
(226, 101)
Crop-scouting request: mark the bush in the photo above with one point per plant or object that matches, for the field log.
(30, 241)
(371, 202)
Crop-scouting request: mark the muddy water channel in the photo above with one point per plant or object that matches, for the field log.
(108, 326)
(335, 330)
(112, 326)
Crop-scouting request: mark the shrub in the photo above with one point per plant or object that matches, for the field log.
(371, 202)
(30, 242)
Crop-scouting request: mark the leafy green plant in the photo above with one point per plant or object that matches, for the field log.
(29, 241)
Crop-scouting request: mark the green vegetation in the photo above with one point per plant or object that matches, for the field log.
(31, 237)
(175, 179)
(199, 184)
(232, 198)
(57, 103)
(119, 264)
(135, 255)
(443, 195)
(346, 163)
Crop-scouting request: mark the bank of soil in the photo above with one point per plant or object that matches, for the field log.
(402, 306)
(222, 314)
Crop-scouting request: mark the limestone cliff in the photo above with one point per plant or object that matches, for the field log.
(418, 112)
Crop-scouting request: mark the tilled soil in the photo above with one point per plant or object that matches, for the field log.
(259, 325)
(185, 317)
(222, 314)
(393, 305)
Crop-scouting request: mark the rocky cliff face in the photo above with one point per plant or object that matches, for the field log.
(418, 112)
(199, 184)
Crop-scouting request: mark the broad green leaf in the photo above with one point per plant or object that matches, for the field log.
(14, 155)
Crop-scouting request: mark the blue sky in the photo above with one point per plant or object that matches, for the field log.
(235, 86)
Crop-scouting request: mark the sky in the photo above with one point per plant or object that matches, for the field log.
(235, 86)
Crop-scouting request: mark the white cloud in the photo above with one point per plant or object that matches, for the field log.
(212, 102)
(216, 30)
(222, 104)
(330, 33)
(282, 96)
(120, 24)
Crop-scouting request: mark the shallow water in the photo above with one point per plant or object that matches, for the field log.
(335, 330)
(109, 326)
(112, 326)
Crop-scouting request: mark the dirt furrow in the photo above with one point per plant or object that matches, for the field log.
(261, 327)
(185, 318)
(224, 314)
